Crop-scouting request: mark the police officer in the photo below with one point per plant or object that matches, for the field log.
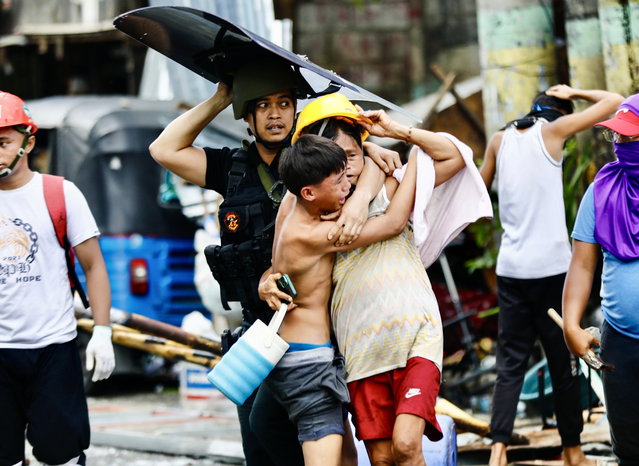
(264, 94)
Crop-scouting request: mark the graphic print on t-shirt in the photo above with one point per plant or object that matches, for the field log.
(18, 247)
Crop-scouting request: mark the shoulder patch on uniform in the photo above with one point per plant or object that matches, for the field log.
(232, 221)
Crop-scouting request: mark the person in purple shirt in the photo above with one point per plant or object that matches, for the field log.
(608, 218)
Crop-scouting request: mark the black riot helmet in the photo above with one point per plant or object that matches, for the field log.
(261, 77)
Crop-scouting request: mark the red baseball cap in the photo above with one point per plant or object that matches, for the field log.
(626, 120)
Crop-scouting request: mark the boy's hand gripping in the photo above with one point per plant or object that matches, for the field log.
(285, 284)
(273, 294)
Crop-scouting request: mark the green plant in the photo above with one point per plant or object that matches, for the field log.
(577, 160)
(485, 232)
(361, 4)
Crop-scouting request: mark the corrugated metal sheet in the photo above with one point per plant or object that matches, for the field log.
(166, 80)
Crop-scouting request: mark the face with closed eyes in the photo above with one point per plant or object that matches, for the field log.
(330, 194)
(354, 156)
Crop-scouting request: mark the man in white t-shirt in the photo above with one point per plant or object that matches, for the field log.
(526, 157)
(41, 382)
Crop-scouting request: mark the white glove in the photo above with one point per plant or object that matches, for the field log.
(100, 351)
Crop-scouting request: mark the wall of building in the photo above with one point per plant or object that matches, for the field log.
(619, 23)
(67, 47)
(518, 50)
(67, 16)
(450, 39)
(585, 53)
(386, 46)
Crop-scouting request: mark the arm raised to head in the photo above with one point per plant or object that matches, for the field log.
(556, 132)
(174, 149)
(448, 159)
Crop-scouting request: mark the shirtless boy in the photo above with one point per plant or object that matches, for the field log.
(309, 380)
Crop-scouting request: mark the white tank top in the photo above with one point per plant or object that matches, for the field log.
(535, 241)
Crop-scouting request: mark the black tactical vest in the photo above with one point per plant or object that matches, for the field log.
(247, 223)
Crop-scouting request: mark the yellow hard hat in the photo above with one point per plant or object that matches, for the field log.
(328, 106)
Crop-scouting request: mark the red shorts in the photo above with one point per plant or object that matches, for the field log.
(377, 400)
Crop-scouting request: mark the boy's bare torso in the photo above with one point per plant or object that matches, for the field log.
(302, 250)
(310, 270)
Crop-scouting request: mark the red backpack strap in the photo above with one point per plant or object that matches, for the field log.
(54, 198)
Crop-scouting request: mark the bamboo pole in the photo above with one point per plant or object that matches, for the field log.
(160, 329)
(156, 345)
(464, 422)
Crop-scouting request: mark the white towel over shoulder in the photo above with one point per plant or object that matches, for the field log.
(442, 212)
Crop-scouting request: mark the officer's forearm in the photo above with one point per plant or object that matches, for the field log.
(181, 132)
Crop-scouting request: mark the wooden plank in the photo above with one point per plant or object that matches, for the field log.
(539, 463)
(477, 124)
(157, 345)
(155, 327)
(447, 85)
(549, 438)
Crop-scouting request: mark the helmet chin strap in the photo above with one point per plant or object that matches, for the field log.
(7, 171)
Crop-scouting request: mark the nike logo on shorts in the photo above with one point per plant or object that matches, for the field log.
(413, 392)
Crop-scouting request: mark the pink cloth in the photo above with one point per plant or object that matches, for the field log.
(441, 213)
